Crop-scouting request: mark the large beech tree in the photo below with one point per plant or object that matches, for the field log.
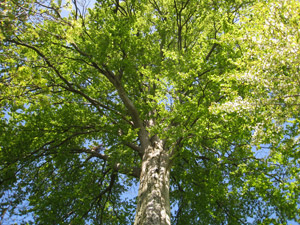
(195, 101)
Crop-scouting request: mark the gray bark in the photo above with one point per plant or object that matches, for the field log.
(153, 205)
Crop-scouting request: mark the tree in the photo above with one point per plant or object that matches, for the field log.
(198, 101)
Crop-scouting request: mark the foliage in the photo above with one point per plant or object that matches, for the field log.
(218, 81)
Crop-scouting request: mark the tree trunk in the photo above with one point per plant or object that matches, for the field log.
(153, 206)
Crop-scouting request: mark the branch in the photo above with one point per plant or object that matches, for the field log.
(122, 93)
(155, 5)
(211, 51)
(3, 214)
(131, 171)
(69, 86)
(92, 152)
(138, 123)
(108, 189)
(76, 9)
(51, 8)
(120, 8)
(136, 148)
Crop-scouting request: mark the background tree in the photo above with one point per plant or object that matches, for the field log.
(195, 100)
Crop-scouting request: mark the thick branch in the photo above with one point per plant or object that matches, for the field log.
(138, 123)
(136, 148)
(130, 106)
(69, 86)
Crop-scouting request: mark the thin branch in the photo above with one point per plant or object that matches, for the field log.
(130, 171)
(93, 153)
(211, 51)
(69, 86)
(120, 8)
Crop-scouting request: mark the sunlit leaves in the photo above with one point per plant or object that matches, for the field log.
(217, 80)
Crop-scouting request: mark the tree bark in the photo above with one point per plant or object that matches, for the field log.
(153, 206)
